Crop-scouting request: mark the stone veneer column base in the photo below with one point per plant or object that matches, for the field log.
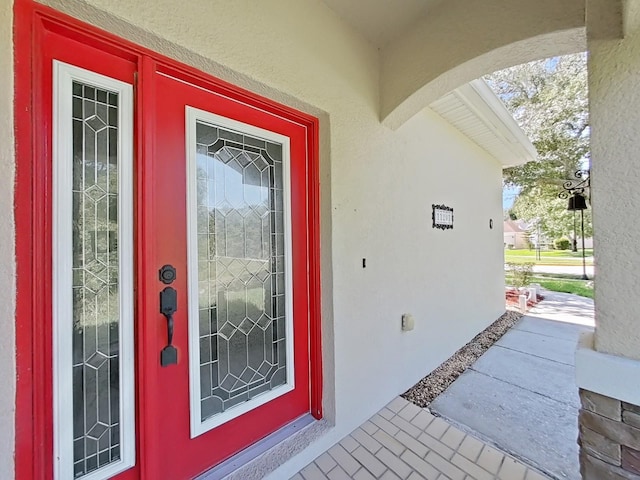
(609, 438)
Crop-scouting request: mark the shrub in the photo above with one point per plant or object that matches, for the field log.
(562, 243)
(521, 273)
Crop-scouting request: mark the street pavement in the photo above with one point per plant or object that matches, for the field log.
(520, 396)
(564, 269)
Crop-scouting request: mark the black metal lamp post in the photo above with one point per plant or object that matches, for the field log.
(575, 190)
(574, 240)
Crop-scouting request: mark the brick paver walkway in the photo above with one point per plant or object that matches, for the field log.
(404, 441)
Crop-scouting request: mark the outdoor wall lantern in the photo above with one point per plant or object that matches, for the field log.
(442, 217)
(577, 202)
(575, 191)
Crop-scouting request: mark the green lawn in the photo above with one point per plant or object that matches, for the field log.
(560, 284)
(549, 257)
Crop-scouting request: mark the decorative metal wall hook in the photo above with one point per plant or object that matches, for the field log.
(579, 185)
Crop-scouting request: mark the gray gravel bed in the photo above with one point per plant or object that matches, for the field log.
(427, 389)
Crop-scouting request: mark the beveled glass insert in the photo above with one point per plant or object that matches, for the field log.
(96, 295)
(241, 267)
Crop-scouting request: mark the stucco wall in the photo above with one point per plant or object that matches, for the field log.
(441, 277)
(614, 86)
(377, 189)
(7, 263)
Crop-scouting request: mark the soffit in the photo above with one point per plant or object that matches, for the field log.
(380, 21)
(476, 111)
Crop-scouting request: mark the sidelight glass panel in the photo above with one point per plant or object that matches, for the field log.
(243, 337)
(96, 299)
(93, 275)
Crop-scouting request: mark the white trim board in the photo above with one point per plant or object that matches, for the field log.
(609, 375)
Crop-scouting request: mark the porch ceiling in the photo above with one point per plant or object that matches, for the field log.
(381, 21)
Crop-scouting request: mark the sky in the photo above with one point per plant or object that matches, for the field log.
(509, 195)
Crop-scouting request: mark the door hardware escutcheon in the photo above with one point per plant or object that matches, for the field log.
(169, 306)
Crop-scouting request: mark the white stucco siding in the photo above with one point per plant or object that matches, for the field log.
(7, 244)
(614, 86)
(377, 189)
(451, 281)
(455, 281)
(411, 267)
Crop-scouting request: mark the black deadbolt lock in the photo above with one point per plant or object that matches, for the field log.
(167, 274)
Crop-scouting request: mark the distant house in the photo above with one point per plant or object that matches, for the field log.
(515, 234)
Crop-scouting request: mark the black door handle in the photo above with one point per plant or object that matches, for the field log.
(169, 306)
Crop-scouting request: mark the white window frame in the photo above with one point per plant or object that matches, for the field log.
(63, 77)
(192, 115)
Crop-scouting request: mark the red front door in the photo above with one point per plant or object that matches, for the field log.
(178, 242)
(221, 213)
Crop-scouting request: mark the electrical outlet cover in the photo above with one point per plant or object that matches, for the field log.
(407, 322)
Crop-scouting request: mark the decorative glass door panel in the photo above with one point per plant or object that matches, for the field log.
(93, 281)
(239, 240)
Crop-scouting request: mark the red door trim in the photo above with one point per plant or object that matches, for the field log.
(34, 444)
(29, 421)
(146, 430)
(315, 298)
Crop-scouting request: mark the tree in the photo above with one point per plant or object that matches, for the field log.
(542, 204)
(549, 100)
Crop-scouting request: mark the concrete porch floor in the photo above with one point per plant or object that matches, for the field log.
(521, 394)
(404, 441)
(531, 370)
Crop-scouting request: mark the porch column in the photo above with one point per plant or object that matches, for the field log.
(608, 362)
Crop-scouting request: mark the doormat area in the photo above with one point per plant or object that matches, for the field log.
(427, 389)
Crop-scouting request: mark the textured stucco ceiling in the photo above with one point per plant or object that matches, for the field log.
(381, 20)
